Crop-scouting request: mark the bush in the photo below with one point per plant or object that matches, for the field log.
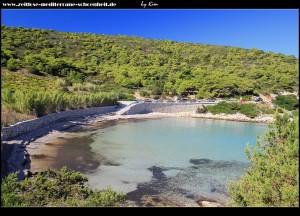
(130, 91)
(249, 110)
(280, 110)
(13, 64)
(295, 113)
(247, 97)
(224, 107)
(77, 86)
(64, 89)
(202, 109)
(84, 87)
(130, 97)
(90, 87)
(124, 96)
(35, 70)
(273, 177)
(61, 82)
(288, 102)
(144, 93)
(266, 110)
(49, 188)
(74, 77)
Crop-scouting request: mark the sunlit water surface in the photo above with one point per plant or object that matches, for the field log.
(183, 158)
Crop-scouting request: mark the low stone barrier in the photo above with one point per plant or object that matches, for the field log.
(143, 108)
(12, 131)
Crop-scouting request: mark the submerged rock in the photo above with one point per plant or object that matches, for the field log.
(200, 161)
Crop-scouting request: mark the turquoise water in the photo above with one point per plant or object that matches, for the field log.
(183, 158)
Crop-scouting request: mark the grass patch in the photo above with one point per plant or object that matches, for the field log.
(41, 103)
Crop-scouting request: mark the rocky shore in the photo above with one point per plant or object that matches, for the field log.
(232, 117)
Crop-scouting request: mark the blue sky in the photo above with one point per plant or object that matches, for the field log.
(269, 30)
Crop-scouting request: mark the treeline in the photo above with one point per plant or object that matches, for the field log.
(159, 67)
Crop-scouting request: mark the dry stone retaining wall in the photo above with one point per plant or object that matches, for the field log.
(34, 124)
(20, 128)
(143, 108)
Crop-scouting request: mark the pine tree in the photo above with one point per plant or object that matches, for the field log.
(273, 177)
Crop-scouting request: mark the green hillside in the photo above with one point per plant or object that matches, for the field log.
(44, 71)
(158, 66)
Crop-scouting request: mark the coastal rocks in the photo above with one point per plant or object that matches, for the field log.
(209, 204)
(162, 201)
(159, 201)
(203, 202)
(234, 117)
(153, 201)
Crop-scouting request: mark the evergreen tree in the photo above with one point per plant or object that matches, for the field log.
(273, 177)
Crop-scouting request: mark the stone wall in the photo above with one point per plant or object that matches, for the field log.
(143, 108)
(10, 132)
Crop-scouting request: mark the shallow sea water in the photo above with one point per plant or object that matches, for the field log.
(182, 158)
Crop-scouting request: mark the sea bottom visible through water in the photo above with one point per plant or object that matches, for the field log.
(180, 158)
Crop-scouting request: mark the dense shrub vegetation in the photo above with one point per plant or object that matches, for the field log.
(288, 102)
(156, 66)
(18, 81)
(82, 70)
(249, 110)
(273, 178)
(55, 189)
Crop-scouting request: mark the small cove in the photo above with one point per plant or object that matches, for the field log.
(182, 158)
